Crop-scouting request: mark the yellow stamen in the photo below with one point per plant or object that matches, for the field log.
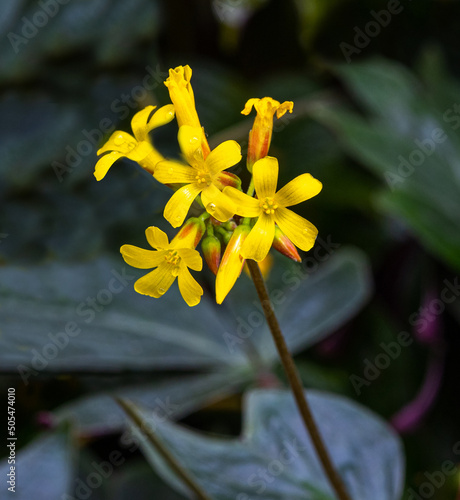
(268, 205)
(172, 257)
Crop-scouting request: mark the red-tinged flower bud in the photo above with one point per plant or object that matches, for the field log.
(190, 233)
(230, 225)
(285, 246)
(212, 251)
(231, 264)
(260, 135)
(225, 179)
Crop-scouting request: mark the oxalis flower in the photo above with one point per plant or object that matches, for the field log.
(270, 207)
(202, 175)
(137, 148)
(171, 260)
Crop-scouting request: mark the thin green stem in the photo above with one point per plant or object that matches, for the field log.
(295, 382)
(163, 451)
(250, 190)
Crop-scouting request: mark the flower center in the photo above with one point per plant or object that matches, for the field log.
(203, 178)
(172, 257)
(268, 205)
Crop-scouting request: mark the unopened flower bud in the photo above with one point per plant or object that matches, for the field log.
(212, 251)
(231, 264)
(225, 179)
(190, 233)
(285, 246)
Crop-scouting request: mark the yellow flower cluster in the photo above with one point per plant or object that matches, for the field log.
(236, 225)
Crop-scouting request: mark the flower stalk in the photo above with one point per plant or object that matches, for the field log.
(295, 382)
(163, 451)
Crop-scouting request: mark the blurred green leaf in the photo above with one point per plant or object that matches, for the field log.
(326, 300)
(409, 143)
(174, 399)
(275, 458)
(88, 317)
(109, 326)
(32, 33)
(311, 300)
(44, 468)
(136, 480)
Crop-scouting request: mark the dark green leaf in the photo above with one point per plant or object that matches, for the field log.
(275, 458)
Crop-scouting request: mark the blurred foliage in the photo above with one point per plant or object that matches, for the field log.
(274, 444)
(70, 73)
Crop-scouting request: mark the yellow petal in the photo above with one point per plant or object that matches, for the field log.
(179, 204)
(218, 204)
(299, 189)
(190, 144)
(181, 94)
(171, 172)
(140, 258)
(139, 123)
(156, 283)
(151, 160)
(119, 141)
(284, 108)
(190, 290)
(162, 116)
(191, 258)
(157, 238)
(231, 264)
(260, 239)
(248, 106)
(301, 232)
(104, 163)
(224, 156)
(246, 206)
(140, 151)
(265, 173)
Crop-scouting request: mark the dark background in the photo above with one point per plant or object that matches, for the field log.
(87, 63)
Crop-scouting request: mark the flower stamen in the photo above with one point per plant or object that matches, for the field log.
(203, 179)
(172, 257)
(268, 205)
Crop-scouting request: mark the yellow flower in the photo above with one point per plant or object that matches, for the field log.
(231, 264)
(271, 207)
(202, 175)
(181, 94)
(260, 135)
(171, 261)
(137, 148)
